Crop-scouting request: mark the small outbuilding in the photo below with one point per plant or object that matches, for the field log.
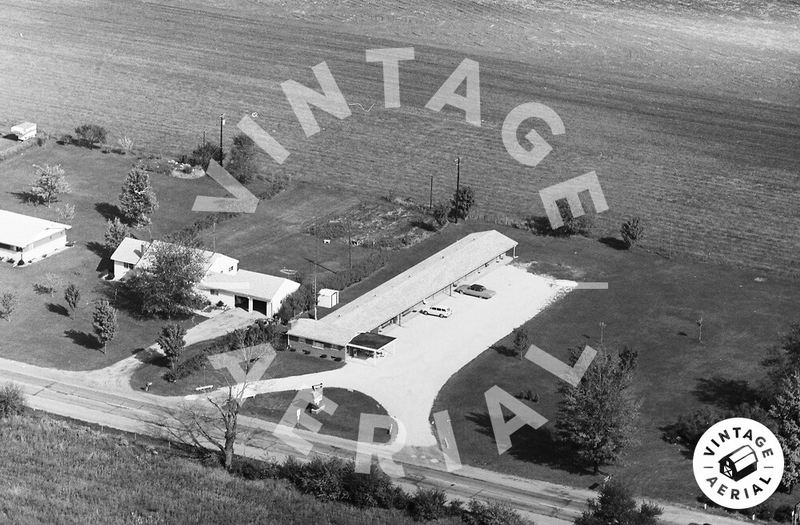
(24, 131)
(327, 298)
(25, 238)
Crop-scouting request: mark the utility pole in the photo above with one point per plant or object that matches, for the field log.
(221, 123)
(349, 244)
(458, 183)
(316, 258)
(430, 206)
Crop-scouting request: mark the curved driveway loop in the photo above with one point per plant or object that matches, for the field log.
(429, 350)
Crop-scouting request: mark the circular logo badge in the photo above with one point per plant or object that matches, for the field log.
(738, 463)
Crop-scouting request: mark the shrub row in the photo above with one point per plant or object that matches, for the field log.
(690, 427)
(334, 479)
(277, 185)
(360, 270)
(16, 148)
(258, 333)
(202, 224)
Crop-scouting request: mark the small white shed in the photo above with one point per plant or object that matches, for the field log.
(24, 131)
(327, 298)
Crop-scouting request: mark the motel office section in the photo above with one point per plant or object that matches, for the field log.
(427, 282)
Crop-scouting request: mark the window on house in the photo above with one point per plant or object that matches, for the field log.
(128, 266)
(214, 292)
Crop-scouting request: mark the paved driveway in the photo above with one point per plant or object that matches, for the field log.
(429, 350)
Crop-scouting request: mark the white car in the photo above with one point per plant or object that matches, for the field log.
(439, 311)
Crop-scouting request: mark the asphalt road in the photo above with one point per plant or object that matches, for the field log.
(547, 503)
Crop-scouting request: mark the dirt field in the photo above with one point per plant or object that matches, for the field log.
(689, 116)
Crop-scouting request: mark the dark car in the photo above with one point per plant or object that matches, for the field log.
(476, 290)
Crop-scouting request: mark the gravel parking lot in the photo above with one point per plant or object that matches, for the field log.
(429, 350)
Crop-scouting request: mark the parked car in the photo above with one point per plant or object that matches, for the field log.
(476, 290)
(439, 311)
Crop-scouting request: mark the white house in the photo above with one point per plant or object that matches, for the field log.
(223, 281)
(132, 253)
(26, 238)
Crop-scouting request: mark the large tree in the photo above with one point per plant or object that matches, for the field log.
(165, 282)
(520, 341)
(596, 418)
(72, 295)
(8, 302)
(137, 199)
(90, 135)
(782, 361)
(615, 505)
(104, 322)
(785, 410)
(462, 202)
(116, 231)
(172, 342)
(217, 421)
(241, 163)
(49, 184)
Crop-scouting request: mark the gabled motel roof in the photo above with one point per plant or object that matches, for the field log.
(21, 230)
(319, 331)
(402, 292)
(419, 282)
(252, 284)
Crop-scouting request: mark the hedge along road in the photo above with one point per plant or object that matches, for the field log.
(694, 128)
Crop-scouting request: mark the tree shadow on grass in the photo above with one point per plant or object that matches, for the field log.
(150, 356)
(105, 264)
(120, 298)
(107, 210)
(532, 445)
(57, 309)
(725, 393)
(24, 197)
(613, 242)
(422, 224)
(505, 350)
(83, 339)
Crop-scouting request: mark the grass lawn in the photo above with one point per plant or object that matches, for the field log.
(651, 305)
(96, 179)
(343, 423)
(275, 236)
(286, 364)
(52, 471)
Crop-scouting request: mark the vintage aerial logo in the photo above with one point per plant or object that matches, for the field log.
(738, 463)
